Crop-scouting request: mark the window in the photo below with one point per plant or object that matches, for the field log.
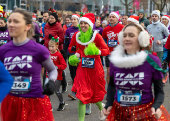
(3, 1)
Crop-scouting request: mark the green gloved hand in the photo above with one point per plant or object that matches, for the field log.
(73, 60)
(91, 49)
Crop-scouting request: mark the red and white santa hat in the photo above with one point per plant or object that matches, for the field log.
(89, 18)
(34, 16)
(168, 18)
(134, 19)
(115, 14)
(76, 15)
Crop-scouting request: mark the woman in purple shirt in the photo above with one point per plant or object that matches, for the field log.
(132, 72)
(23, 58)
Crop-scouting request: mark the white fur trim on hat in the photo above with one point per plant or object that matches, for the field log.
(165, 17)
(156, 12)
(115, 14)
(75, 16)
(133, 20)
(86, 20)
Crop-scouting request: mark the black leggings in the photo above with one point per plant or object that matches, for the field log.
(72, 70)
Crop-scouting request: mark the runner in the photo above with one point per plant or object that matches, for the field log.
(23, 58)
(53, 28)
(4, 33)
(159, 32)
(110, 34)
(89, 83)
(60, 64)
(68, 37)
(130, 94)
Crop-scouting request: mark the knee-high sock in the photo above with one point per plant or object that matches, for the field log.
(81, 110)
(99, 105)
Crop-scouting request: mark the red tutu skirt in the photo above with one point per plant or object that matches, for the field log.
(26, 109)
(136, 113)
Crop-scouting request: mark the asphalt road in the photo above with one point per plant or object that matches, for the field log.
(71, 114)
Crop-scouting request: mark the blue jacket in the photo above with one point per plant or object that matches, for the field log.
(6, 82)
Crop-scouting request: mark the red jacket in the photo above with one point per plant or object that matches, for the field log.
(54, 30)
(58, 61)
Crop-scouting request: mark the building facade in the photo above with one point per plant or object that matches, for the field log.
(8, 5)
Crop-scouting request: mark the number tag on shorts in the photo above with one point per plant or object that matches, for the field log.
(129, 97)
(21, 85)
(88, 62)
(112, 43)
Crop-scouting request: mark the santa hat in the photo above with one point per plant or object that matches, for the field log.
(157, 12)
(115, 14)
(134, 19)
(76, 15)
(34, 16)
(89, 18)
(168, 18)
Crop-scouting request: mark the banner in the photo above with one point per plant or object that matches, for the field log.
(136, 4)
(84, 8)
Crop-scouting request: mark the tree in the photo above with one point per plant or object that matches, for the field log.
(127, 3)
(160, 4)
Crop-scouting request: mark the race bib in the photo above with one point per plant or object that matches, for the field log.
(112, 43)
(129, 98)
(2, 42)
(21, 85)
(88, 62)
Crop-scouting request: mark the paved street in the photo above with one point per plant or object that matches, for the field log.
(70, 113)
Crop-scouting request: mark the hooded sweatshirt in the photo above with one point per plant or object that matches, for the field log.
(144, 19)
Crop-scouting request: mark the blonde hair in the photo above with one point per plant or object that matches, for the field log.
(54, 43)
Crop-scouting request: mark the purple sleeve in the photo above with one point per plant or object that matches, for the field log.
(101, 31)
(156, 74)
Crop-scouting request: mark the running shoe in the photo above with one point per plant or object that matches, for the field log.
(72, 95)
(61, 106)
(165, 79)
(88, 109)
(101, 116)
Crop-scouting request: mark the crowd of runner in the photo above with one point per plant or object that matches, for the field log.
(134, 49)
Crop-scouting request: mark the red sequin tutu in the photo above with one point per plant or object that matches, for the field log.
(135, 113)
(26, 109)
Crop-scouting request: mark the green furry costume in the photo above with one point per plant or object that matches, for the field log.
(91, 49)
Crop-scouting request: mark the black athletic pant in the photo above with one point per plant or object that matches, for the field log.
(72, 70)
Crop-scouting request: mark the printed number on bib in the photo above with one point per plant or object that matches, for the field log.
(88, 62)
(21, 85)
(129, 98)
(112, 43)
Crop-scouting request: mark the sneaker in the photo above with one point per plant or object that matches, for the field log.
(72, 95)
(101, 116)
(64, 89)
(61, 106)
(88, 109)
